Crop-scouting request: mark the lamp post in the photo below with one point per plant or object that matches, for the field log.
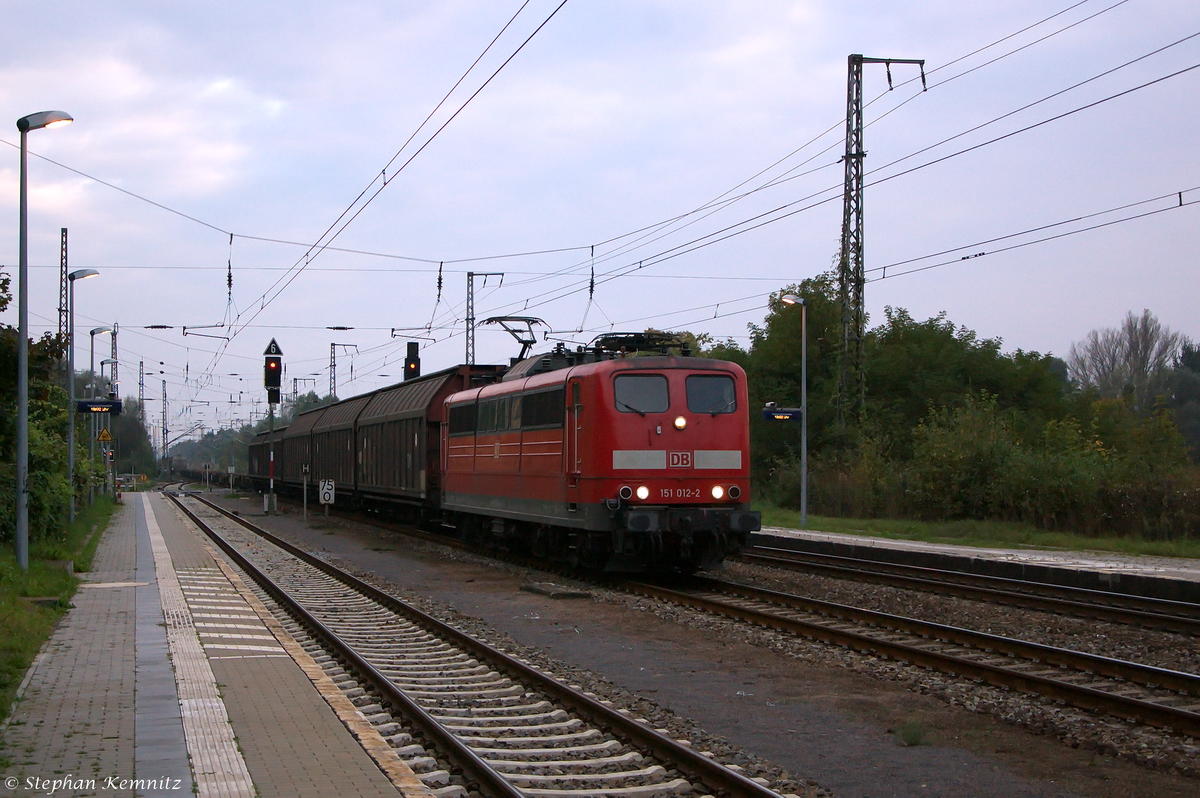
(792, 299)
(112, 369)
(92, 395)
(82, 274)
(24, 125)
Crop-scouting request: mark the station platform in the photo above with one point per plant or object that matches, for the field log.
(1171, 578)
(169, 677)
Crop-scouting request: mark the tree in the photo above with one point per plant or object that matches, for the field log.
(131, 441)
(773, 369)
(1184, 396)
(303, 403)
(1135, 358)
(48, 487)
(914, 367)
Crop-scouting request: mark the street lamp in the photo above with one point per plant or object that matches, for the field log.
(92, 361)
(92, 395)
(112, 369)
(112, 384)
(81, 274)
(24, 125)
(792, 299)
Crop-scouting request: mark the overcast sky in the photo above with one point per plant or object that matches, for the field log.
(267, 120)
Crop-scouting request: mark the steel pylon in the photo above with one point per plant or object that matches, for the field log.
(852, 378)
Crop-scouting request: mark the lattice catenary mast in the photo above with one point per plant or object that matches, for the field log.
(471, 309)
(64, 321)
(852, 382)
(333, 367)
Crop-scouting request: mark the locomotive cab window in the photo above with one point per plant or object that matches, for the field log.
(462, 419)
(711, 393)
(487, 417)
(514, 413)
(543, 409)
(641, 393)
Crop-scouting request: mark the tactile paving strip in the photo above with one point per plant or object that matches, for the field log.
(216, 762)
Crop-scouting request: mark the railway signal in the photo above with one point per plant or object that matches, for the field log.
(412, 361)
(273, 371)
(272, 378)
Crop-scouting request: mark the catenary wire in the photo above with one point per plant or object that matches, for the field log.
(223, 231)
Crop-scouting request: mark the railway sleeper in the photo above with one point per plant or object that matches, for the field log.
(629, 758)
(541, 741)
(514, 690)
(473, 700)
(452, 791)
(547, 728)
(491, 687)
(418, 671)
(435, 778)
(376, 646)
(410, 751)
(434, 658)
(675, 787)
(531, 720)
(380, 638)
(490, 677)
(384, 729)
(463, 712)
(397, 627)
(527, 754)
(422, 763)
(397, 739)
(654, 775)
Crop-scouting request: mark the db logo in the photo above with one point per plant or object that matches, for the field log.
(681, 459)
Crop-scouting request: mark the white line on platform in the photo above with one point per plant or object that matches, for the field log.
(218, 765)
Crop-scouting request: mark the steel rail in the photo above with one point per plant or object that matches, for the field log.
(1098, 605)
(1158, 614)
(487, 780)
(862, 639)
(697, 766)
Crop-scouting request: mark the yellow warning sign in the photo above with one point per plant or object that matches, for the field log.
(104, 437)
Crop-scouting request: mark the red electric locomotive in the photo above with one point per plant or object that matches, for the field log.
(604, 458)
(599, 456)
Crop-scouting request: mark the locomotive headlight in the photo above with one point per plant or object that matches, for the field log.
(625, 492)
(718, 492)
(643, 492)
(680, 422)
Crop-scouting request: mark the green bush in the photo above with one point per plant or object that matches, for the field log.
(965, 463)
(1125, 474)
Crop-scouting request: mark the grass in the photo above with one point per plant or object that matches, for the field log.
(24, 626)
(999, 534)
(912, 732)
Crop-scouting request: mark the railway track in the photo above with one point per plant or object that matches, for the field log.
(1144, 694)
(437, 694)
(1150, 613)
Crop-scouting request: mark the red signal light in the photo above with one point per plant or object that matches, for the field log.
(272, 371)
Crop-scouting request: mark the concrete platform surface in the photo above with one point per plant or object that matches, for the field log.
(1175, 578)
(168, 677)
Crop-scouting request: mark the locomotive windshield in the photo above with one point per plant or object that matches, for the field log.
(711, 394)
(641, 393)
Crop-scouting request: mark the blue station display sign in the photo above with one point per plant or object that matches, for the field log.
(111, 406)
(773, 413)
